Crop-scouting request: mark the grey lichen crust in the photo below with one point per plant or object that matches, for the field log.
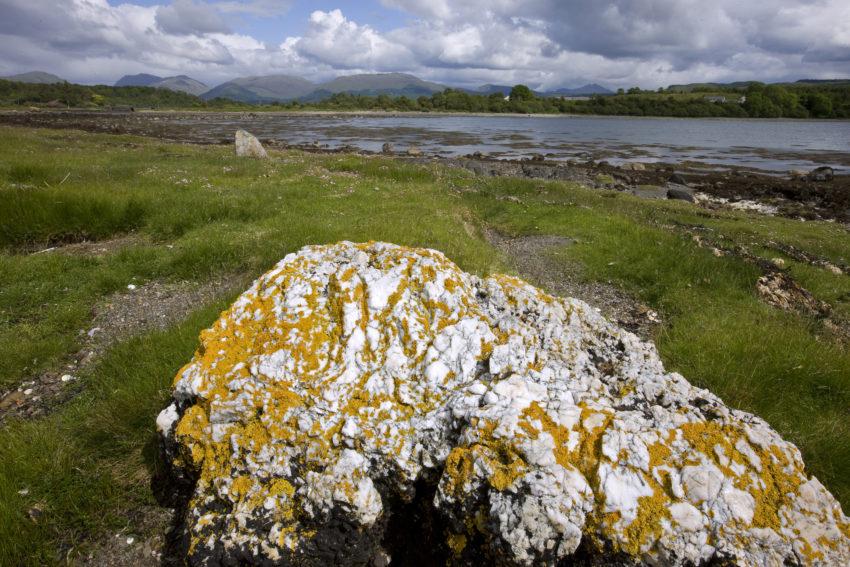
(351, 374)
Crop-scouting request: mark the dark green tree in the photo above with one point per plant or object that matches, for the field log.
(521, 92)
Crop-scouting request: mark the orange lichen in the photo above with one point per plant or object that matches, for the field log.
(646, 527)
(457, 543)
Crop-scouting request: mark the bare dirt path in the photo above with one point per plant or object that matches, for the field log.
(154, 305)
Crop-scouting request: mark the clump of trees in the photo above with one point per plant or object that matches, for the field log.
(775, 101)
(13, 93)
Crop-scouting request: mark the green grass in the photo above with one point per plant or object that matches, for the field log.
(782, 366)
(192, 213)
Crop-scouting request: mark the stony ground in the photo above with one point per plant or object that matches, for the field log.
(532, 258)
(140, 308)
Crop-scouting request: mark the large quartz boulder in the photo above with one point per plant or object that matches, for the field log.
(369, 403)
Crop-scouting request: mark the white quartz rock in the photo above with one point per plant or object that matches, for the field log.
(351, 376)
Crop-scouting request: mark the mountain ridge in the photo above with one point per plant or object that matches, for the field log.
(180, 83)
(35, 77)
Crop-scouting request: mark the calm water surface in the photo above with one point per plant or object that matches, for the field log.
(776, 145)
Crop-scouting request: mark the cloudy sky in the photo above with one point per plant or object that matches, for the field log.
(543, 43)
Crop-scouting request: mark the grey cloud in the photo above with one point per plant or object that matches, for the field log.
(184, 17)
(255, 7)
(545, 43)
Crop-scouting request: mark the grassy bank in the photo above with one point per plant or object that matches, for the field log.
(175, 213)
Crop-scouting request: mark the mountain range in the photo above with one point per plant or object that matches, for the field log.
(180, 83)
(281, 88)
(286, 87)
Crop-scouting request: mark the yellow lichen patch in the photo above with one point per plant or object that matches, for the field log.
(646, 527)
(506, 466)
(191, 432)
(587, 455)
(708, 437)
(659, 453)
(281, 486)
(775, 483)
(457, 543)
(776, 486)
(458, 470)
(240, 487)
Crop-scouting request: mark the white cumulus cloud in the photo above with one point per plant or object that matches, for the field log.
(544, 43)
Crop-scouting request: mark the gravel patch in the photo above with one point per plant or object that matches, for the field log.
(534, 258)
(140, 308)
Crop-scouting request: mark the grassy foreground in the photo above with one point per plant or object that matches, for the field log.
(194, 213)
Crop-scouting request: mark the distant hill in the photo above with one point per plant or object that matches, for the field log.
(586, 90)
(395, 84)
(286, 87)
(505, 90)
(691, 87)
(742, 85)
(36, 77)
(180, 83)
(140, 80)
(269, 88)
(183, 84)
(92, 96)
(824, 82)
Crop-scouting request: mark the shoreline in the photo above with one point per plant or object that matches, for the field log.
(716, 185)
(412, 113)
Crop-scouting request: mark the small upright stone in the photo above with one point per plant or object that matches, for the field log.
(387, 148)
(247, 145)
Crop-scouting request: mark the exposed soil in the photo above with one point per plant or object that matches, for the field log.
(535, 259)
(142, 546)
(86, 248)
(154, 305)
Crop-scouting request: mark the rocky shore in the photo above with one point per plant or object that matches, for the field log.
(808, 195)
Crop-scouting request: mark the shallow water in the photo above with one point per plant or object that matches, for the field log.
(767, 145)
(776, 145)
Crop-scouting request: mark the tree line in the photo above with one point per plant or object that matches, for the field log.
(71, 95)
(756, 100)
